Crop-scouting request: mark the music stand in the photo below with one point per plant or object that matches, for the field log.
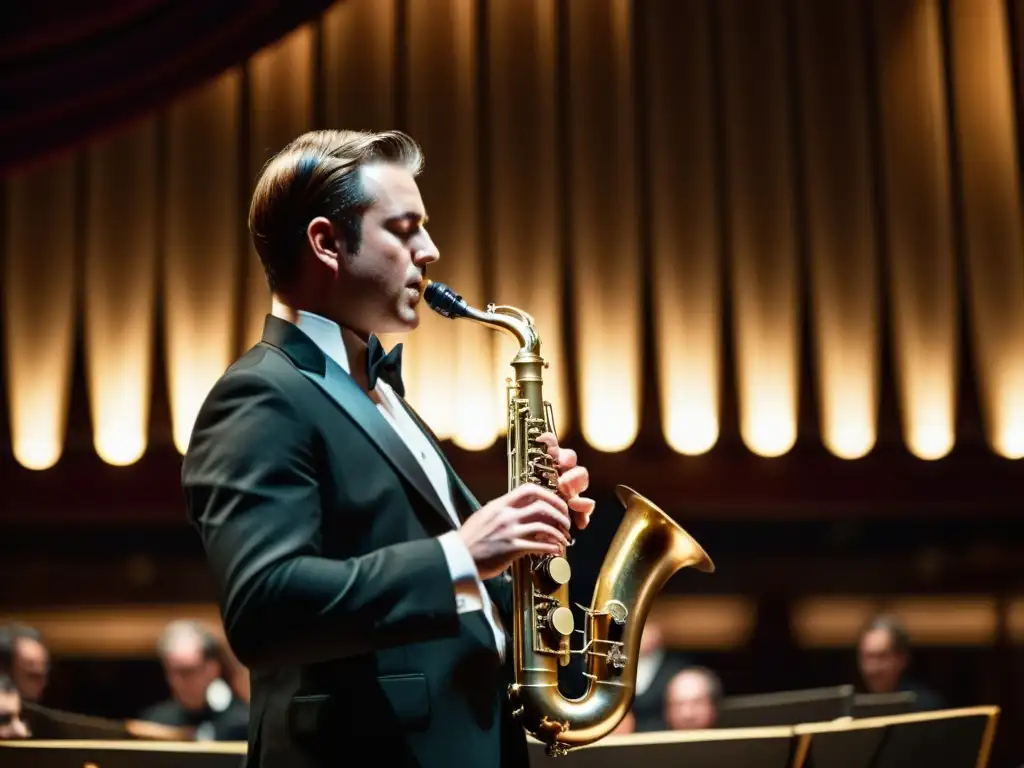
(733, 748)
(883, 704)
(809, 705)
(954, 738)
(56, 724)
(121, 754)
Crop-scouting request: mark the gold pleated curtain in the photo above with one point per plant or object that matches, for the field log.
(714, 175)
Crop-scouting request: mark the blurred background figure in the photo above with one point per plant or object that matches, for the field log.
(25, 658)
(192, 659)
(656, 666)
(883, 656)
(692, 699)
(11, 724)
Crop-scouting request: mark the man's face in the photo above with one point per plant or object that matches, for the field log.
(11, 724)
(189, 675)
(31, 671)
(382, 284)
(688, 703)
(881, 665)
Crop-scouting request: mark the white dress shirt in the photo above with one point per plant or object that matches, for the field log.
(470, 594)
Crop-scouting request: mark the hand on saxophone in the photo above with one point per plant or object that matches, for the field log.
(572, 479)
(527, 520)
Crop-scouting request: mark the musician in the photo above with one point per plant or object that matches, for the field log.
(200, 698)
(12, 726)
(883, 658)
(656, 667)
(26, 659)
(692, 699)
(360, 581)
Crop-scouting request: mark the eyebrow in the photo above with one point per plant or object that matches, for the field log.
(411, 216)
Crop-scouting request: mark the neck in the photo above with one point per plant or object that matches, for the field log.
(354, 340)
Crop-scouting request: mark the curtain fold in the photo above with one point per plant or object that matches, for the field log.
(70, 71)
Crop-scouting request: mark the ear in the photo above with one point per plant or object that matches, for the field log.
(323, 242)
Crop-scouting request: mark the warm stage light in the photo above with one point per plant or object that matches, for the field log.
(852, 439)
(120, 290)
(769, 429)
(719, 622)
(841, 224)
(919, 219)
(602, 220)
(691, 426)
(685, 225)
(763, 242)
(847, 371)
(40, 309)
(609, 396)
(118, 446)
(986, 125)
(201, 236)
(1008, 438)
(955, 620)
(478, 411)
(451, 362)
(928, 406)
(38, 435)
(523, 220)
(766, 370)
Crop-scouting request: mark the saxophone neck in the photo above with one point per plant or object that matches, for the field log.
(512, 320)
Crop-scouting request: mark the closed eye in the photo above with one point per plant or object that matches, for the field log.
(407, 224)
(404, 229)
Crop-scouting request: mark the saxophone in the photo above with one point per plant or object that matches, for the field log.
(648, 548)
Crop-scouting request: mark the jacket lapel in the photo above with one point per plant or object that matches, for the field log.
(354, 402)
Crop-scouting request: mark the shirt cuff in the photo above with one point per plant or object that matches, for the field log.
(465, 578)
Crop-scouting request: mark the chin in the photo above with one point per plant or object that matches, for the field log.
(403, 322)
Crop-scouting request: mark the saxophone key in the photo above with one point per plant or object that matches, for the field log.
(561, 621)
(557, 570)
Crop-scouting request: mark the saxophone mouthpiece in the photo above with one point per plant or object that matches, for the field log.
(444, 300)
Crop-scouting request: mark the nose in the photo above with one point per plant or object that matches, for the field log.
(426, 251)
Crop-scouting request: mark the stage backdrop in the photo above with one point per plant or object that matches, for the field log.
(764, 223)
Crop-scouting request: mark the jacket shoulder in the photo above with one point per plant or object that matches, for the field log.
(261, 363)
(263, 372)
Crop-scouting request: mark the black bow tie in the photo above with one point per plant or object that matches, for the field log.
(384, 366)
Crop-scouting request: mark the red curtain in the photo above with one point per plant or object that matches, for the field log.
(71, 70)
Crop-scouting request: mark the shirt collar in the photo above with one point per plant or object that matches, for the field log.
(326, 334)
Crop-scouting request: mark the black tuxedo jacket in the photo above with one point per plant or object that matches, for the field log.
(320, 529)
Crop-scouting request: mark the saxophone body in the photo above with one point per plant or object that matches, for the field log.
(647, 549)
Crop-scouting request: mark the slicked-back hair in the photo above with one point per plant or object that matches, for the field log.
(317, 174)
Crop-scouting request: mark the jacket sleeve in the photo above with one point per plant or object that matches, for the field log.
(251, 481)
